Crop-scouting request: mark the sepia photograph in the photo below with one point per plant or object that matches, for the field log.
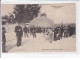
(38, 27)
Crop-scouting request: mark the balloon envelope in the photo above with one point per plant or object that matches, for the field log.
(42, 22)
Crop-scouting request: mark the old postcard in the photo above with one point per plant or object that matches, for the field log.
(38, 27)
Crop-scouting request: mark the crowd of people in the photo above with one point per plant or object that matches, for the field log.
(58, 33)
(64, 31)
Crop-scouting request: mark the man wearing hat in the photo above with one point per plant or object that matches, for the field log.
(26, 30)
(19, 33)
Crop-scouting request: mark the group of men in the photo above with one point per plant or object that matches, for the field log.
(63, 31)
(19, 33)
(57, 34)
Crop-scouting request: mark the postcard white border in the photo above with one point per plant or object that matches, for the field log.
(49, 54)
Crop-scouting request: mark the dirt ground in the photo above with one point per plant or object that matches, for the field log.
(38, 44)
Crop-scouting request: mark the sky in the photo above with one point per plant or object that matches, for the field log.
(58, 13)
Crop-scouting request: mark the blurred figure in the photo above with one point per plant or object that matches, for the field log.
(68, 31)
(73, 29)
(33, 31)
(50, 35)
(65, 31)
(19, 33)
(56, 33)
(61, 35)
(43, 30)
(26, 30)
(39, 29)
(3, 39)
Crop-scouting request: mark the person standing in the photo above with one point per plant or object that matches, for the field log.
(26, 30)
(61, 35)
(19, 33)
(55, 34)
(34, 31)
(3, 39)
(68, 31)
(50, 35)
(65, 31)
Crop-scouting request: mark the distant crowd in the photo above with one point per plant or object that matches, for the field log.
(59, 32)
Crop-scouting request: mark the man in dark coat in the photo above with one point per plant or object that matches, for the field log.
(73, 29)
(3, 39)
(19, 33)
(33, 31)
(26, 30)
(65, 31)
(55, 33)
(69, 31)
(61, 35)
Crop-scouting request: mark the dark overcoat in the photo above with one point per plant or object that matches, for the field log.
(3, 34)
(18, 31)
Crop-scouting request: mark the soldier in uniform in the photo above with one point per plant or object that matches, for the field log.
(19, 33)
(3, 39)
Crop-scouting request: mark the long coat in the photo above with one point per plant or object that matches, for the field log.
(26, 29)
(18, 31)
(3, 35)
